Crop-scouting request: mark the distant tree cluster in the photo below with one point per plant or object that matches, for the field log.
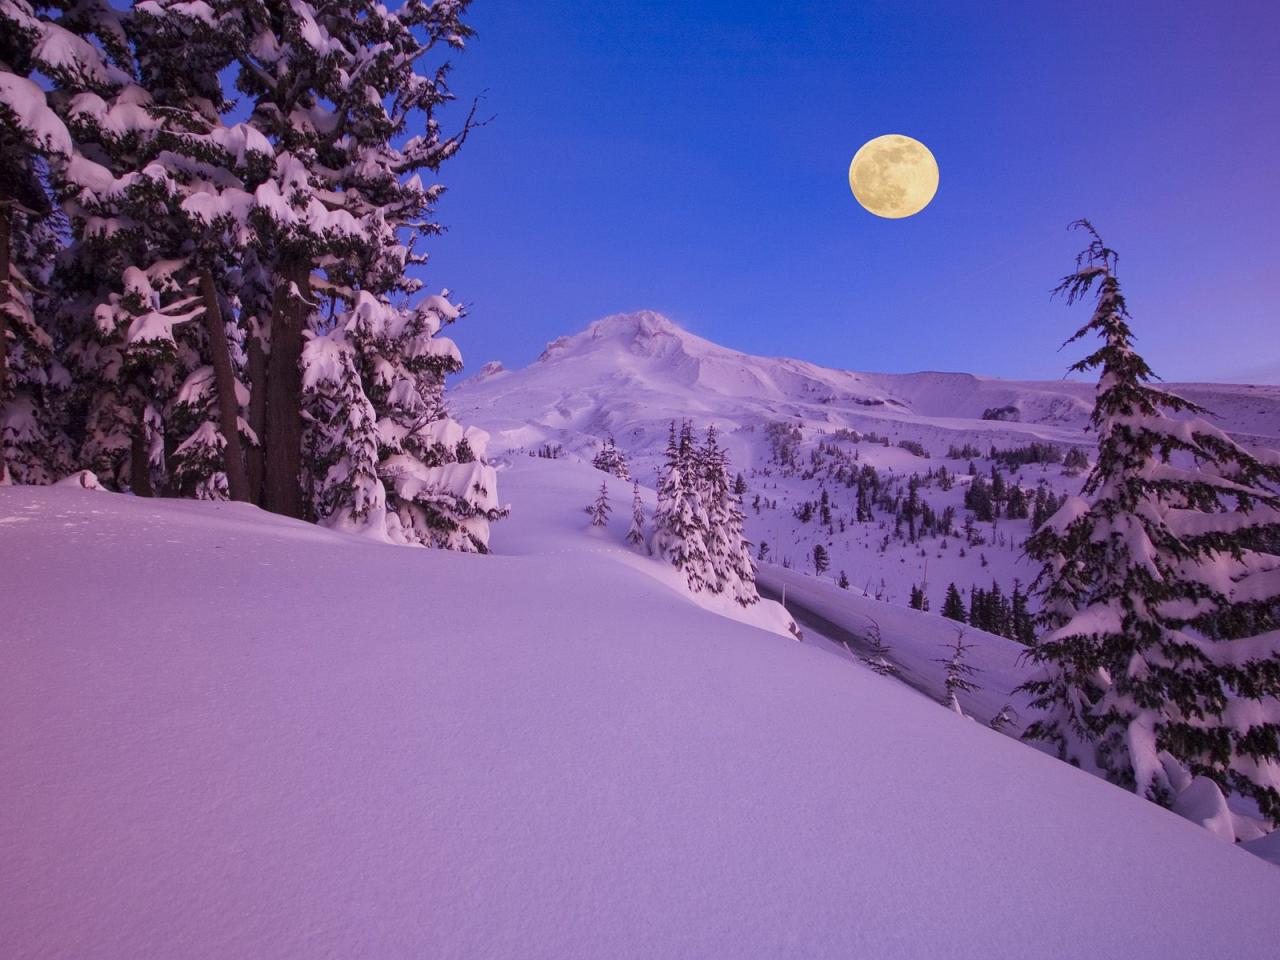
(611, 460)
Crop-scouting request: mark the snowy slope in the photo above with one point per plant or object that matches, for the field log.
(917, 642)
(231, 735)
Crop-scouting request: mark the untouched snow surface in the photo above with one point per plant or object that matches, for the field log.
(230, 735)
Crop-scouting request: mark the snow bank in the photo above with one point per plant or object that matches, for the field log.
(232, 735)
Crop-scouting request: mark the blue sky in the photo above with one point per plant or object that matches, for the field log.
(692, 158)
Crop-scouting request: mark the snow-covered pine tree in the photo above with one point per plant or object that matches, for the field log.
(599, 509)
(635, 534)
(339, 94)
(68, 47)
(877, 655)
(728, 553)
(611, 460)
(960, 673)
(438, 489)
(1160, 598)
(341, 438)
(183, 196)
(33, 383)
(680, 521)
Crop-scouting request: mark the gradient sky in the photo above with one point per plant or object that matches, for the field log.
(692, 158)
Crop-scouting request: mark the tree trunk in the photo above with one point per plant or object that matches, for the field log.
(282, 490)
(253, 456)
(140, 462)
(6, 226)
(224, 379)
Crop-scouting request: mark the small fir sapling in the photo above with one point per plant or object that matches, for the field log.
(635, 534)
(877, 655)
(600, 509)
(960, 674)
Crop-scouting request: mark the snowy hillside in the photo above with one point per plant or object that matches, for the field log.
(796, 430)
(227, 734)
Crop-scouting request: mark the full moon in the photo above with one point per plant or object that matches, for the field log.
(893, 176)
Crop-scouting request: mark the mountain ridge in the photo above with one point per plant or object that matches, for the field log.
(627, 367)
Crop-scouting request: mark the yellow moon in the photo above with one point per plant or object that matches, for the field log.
(893, 176)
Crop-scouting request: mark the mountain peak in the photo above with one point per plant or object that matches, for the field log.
(642, 331)
(641, 323)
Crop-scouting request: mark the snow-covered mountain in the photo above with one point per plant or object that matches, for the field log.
(628, 376)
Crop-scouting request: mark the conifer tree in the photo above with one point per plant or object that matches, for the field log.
(959, 673)
(338, 213)
(611, 460)
(70, 49)
(877, 655)
(600, 509)
(635, 535)
(953, 605)
(821, 562)
(1160, 653)
(728, 552)
(680, 521)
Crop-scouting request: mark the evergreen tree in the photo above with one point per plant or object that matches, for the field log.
(680, 521)
(635, 534)
(600, 509)
(1021, 620)
(911, 507)
(877, 655)
(728, 553)
(1159, 601)
(611, 460)
(1016, 504)
(1075, 461)
(843, 582)
(821, 562)
(863, 512)
(337, 214)
(960, 673)
(50, 55)
(953, 605)
(978, 499)
(342, 437)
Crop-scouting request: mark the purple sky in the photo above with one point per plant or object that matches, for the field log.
(692, 158)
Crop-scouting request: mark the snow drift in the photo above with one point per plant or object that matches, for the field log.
(233, 735)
